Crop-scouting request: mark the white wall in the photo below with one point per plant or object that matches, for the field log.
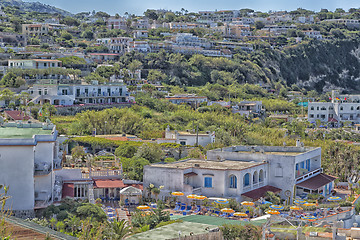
(17, 172)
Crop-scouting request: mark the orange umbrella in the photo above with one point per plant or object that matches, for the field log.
(227, 210)
(273, 212)
(240, 214)
(143, 207)
(191, 196)
(309, 204)
(296, 208)
(177, 194)
(247, 203)
(201, 197)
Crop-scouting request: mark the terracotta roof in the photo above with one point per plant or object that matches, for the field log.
(316, 182)
(17, 115)
(260, 192)
(109, 183)
(114, 183)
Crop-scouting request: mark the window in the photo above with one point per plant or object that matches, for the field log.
(312, 115)
(312, 108)
(341, 108)
(302, 164)
(255, 177)
(358, 108)
(247, 180)
(352, 108)
(182, 143)
(323, 108)
(261, 175)
(308, 164)
(317, 108)
(233, 181)
(208, 182)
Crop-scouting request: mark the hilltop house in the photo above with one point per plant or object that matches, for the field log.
(187, 138)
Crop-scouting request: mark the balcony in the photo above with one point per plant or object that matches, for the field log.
(42, 168)
(102, 173)
(308, 175)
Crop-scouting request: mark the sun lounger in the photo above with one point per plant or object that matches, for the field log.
(188, 209)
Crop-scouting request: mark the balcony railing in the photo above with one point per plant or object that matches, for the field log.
(42, 168)
(308, 175)
(102, 173)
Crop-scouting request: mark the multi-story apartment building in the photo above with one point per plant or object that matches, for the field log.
(34, 63)
(245, 173)
(29, 155)
(313, 34)
(188, 39)
(78, 94)
(116, 23)
(342, 108)
(37, 29)
(191, 99)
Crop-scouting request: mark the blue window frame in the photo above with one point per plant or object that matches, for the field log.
(208, 182)
(308, 164)
(246, 180)
(233, 181)
(302, 164)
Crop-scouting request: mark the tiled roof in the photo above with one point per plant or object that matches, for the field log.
(17, 115)
(260, 192)
(316, 182)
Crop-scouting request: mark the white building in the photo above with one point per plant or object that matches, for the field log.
(78, 94)
(342, 108)
(248, 107)
(34, 63)
(313, 34)
(29, 154)
(245, 172)
(191, 99)
(187, 138)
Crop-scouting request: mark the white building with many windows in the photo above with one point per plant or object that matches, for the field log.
(245, 173)
(67, 94)
(29, 155)
(342, 108)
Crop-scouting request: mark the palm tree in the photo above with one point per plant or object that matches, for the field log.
(120, 229)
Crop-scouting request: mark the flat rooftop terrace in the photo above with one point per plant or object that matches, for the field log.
(208, 164)
(14, 132)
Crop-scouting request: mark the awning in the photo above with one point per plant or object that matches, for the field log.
(131, 191)
(260, 192)
(190, 174)
(332, 120)
(316, 182)
(109, 183)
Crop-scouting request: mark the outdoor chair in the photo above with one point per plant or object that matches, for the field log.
(223, 215)
(188, 209)
(177, 207)
(183, 207)
(198, 209)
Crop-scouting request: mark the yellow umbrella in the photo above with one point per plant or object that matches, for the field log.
(201, 197)
(143, 207)
(177, 194)
(309, 204)
(247, 203)
(191, 196)
(296, 208)
(240, 214)
(273, 212)
(227, 210)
